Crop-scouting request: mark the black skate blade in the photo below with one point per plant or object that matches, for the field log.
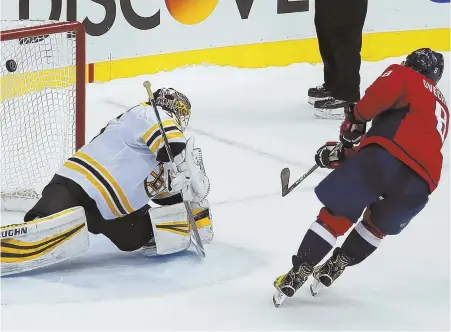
(284, 180)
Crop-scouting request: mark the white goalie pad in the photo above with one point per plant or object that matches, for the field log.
(172, 230)
(43, 241)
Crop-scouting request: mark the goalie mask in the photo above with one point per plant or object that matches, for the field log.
(175, 104)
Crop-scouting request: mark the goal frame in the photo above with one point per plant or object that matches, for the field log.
(80, 64)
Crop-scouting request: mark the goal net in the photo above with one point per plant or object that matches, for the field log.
(42, 105)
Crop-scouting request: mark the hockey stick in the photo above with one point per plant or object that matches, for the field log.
(285, 175)
(197, 240)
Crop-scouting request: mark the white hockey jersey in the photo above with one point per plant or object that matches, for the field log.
(118, 168)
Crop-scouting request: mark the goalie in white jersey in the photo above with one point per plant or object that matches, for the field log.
(116, 175)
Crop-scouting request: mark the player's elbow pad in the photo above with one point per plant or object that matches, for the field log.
(176, 149)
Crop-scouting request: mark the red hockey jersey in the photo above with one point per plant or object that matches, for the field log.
(410, 120)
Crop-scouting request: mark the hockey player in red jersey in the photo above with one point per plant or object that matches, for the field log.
(386, 174)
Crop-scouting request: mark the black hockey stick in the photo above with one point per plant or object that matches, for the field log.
(285, 175)
(197, 240)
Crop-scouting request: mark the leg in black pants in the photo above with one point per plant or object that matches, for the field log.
(339, 26)
(128, 233)
(346, 36)
(324, 40)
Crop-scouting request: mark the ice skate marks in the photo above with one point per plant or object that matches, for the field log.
(106, 274)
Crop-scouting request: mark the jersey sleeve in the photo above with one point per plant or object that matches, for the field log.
(381, 95)
(154, 140)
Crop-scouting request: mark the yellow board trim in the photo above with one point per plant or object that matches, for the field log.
(154, 147)
(107, 176)
(95, 183)
(38, 250)
(376, 46)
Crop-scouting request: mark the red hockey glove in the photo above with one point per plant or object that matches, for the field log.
(351, 130)
(325, 158)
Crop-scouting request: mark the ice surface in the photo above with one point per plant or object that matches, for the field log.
(250, 124)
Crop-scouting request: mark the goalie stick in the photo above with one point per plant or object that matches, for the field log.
(197, 242)
(285, 175)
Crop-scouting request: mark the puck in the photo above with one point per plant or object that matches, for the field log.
(11, 66)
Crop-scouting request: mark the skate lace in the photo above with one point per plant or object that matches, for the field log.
(342, 261)
(305, 271)
(333, 267)
(337, 266)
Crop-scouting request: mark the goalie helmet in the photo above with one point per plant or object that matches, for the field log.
(426, 62)
(175, 104)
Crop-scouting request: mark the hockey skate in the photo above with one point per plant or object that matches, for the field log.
(288, 284)
(325, 274)
(330, 108)
(318, 93)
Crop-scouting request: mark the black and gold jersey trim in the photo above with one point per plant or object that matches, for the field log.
(158, 133)
(153, 138)
(103, 181)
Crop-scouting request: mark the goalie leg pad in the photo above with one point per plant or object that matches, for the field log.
(172, 230)
(204, 220)
(43, 241)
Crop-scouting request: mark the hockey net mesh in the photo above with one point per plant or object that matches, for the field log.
(38, 111)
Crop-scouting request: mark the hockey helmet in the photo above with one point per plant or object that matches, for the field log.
(176, 104)
(426, 62)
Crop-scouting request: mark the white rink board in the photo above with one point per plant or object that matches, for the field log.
(224, 27)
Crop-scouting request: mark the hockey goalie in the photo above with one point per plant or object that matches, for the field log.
(106, 186)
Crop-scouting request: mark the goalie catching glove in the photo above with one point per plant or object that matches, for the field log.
(190, 178)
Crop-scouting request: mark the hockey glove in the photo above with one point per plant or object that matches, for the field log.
(190, 178)
(351, 130)
(179, 181)
(325, 158)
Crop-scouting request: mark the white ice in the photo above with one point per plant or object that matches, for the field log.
(250, 124)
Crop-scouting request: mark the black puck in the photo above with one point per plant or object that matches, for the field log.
(11, 66)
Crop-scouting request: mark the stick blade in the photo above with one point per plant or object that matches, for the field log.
(284, 180)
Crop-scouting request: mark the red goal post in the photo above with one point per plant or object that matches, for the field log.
(42, 114)
(63, 27)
